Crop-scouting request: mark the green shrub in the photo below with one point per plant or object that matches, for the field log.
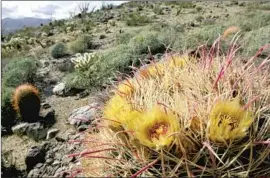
(135, 19)
(255, 39)
(81, 44)
(198, 9)
(140, 43)
(8, 114)
(19, 71)
(157, 10)
(58, 50)
(89, 78)
(181, 4)
(251, 21)
(123, 38)
(117, 59)
(197, 36)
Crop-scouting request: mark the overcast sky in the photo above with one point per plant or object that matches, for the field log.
(45, 9)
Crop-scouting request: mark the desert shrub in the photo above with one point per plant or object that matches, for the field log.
(103, 70)
(8, 114)
(198, 36)
(157, 10)
(123, 38)
(198, 8)
(146, 39)
(135, 19)
(258, 6)
(251, 21)
(181, 4)
(90, 76)
(253, 40)
(119, 59)
(19, 71)
(58, 50)
(81, 44)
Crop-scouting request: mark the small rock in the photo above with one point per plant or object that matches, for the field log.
(39, 165)
(51, 133)
(48, 116)
(45, 106)
(36, 131)
(49, 161)
(20, 129)
(61, 139)
(56, 162)
(83, 115)
(102, 36)
(82, 128)
(34, 156)
(33, 173)
(59, 89)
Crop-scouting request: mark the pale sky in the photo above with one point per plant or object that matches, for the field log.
(44, 9)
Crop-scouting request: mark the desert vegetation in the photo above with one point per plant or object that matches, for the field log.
(180, 89)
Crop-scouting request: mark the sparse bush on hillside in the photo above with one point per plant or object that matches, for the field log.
(81, 44)
(103, 70)
(157, 10)
(198, 36)
(123, 38)
(90, 76)
(135, 19)
(181, 4)
(258, 6)
(19, 71)
(58, 50)
(253, 40)
(144, 41)
(8, 114)
(252, 21)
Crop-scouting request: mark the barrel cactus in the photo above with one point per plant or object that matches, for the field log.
(26, 102)
(185, 117)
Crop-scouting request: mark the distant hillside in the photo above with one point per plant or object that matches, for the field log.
(11, 25)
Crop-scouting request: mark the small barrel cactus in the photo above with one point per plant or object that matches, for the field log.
(26, 102)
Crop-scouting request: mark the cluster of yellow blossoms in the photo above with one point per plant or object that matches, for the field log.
(159, 125)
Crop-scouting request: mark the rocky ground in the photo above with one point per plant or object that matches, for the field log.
(41, 149)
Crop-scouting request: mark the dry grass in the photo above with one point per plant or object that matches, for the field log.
(189, 90)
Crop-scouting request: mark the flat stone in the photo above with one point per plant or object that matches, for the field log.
(52, 133)
(59, 89)
(20, 129)
(36, 131)
(83, 115)
(49, 161)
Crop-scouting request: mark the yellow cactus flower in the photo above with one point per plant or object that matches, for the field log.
(177, 61)
(155, 128)
(116, 109)
(126, 87)
(228, 121)
(152, 70)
